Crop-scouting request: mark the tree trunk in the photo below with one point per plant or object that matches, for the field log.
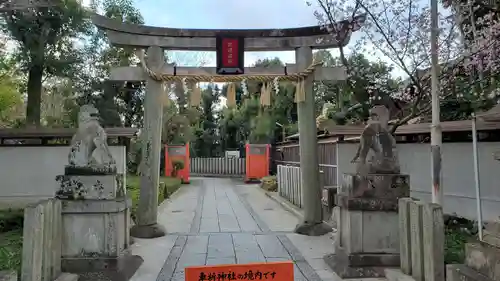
(33, 114)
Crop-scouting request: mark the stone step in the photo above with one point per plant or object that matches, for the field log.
(8, 275)
(483, 258)
(461, 272)
(397, 275)
(491, 238)
(493, 227)
(67, 277)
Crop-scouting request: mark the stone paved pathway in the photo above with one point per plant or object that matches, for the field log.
(223, 221)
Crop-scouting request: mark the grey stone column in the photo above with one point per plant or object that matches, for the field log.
(311, 190)
(147, 212)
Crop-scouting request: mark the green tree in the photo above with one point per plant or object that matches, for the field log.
(59, 108)
(252, 122)
(45, 36)
(119, 103)
(206, 139)
(178, 128)
(371, 83)
(10, 101)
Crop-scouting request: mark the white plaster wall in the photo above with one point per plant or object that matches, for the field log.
(458, 175)
(27, 174)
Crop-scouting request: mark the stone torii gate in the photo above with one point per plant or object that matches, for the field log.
(157, 39)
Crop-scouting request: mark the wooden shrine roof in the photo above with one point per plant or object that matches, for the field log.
(61, 132)
(410, 129)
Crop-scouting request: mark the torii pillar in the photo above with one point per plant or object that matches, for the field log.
(147, 213)
(312, 224)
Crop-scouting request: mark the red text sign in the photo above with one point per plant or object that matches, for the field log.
(230, 52)
(230, 55)
(277, 271)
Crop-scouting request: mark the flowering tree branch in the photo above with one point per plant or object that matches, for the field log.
(399, 31)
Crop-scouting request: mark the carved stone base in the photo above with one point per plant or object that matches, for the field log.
(380, 186)
(313, 229)
(367, 231)
(9, 275)
(366, 243)
(95, 228)
(89, 170)
(367, 204)
(89, 187)
(148, 231)
(483, 258)
(461, 272)
(360, 265)
(482, 263)
(367, 238)
(101, 268)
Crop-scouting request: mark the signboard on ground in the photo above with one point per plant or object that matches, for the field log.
(278, 271)
(176, 151)
(232, 154)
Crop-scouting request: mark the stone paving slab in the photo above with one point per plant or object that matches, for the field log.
(220, 246)
(181, 209)
(271, 246)
(223, 221)
(271, 213)
(196, 245)
(154, 252)
(219, 261)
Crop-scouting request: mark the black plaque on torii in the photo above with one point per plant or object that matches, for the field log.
(230, 55)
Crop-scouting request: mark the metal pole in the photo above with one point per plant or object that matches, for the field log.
(283, 133)
(476, 179)
(436, 134)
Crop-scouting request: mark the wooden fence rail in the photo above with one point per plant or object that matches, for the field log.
(41, 256)
(289, 184)
(230, 167)
(421, 234)
(330, 172)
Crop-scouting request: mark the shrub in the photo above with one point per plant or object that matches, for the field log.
(269, 183)
(11, 241)
(164, 190)
(177, 165)
(458, 231)
(11, 219)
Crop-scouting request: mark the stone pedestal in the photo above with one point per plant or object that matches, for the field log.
(482, 259)
(328, 202)
(83, 187)
(96, 226)
(367, 239)
(10, 275)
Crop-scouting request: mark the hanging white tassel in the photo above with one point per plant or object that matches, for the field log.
(244, 87)
(185, 86)
(276, 85)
